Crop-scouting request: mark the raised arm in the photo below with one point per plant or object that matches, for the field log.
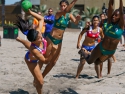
(110, 10)
(39, 18)
(121, 22)
(36, 15)
(60, 13)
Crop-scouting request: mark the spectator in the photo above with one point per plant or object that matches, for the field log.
(49, 20)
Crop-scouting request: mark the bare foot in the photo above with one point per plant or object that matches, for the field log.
(99, 77)
(76, 77)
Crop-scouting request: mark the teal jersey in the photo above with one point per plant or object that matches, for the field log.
(62, 22)
(111, 30)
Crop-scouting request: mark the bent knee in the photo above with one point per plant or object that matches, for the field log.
(98, 61)
(90, 62)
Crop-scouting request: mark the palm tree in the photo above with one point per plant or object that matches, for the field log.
(89, 13)
(41, 8)
(3, 11)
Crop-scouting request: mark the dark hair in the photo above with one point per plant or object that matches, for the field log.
(24, 26)
(50, 9)
(102, 14)
(64, 1)
(94, 18)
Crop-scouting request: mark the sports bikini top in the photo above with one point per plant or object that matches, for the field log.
(113, 31)
(62, 22)
(42, 51)
(90, 34)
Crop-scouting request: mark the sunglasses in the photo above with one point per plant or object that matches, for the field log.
(50, 11)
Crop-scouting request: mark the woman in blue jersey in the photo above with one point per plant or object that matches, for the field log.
(113, 28)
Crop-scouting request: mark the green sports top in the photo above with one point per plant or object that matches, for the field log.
(111, 30)
(62, 22)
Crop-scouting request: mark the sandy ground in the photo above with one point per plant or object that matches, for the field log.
(15, 77)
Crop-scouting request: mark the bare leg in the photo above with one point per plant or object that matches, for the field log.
(114, 58)
(24, 42)
(98, 69)
(120, 42)
(95, 54)
(80, 67)
(35, 70)
(124, 38)
(52, 62)
(0, 40)
(109, 65)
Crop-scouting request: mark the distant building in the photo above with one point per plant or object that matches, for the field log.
(82, 4)
(35, 2)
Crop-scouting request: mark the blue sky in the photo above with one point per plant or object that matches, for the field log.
(8, 2)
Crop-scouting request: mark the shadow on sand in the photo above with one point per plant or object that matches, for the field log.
(69, 75)
(19, 91)
(85, 76)
(69, 91)
(75, 59)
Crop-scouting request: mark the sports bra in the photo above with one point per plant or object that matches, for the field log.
(90, 34)
(42, 51)
(62, 22)
(113, 31)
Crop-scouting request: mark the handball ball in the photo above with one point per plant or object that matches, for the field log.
(26, 5)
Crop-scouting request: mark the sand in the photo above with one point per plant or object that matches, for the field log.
(15, 77)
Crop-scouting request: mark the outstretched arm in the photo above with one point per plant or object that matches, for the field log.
(75, 19)
(36, 15)
(39, 18)
(60, 13)
(110, 10)
(121, 22)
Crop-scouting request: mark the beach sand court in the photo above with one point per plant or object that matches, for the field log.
(15, 77)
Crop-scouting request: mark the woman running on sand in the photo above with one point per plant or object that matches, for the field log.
(37, 47)
(91, 34)
(113, 28)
